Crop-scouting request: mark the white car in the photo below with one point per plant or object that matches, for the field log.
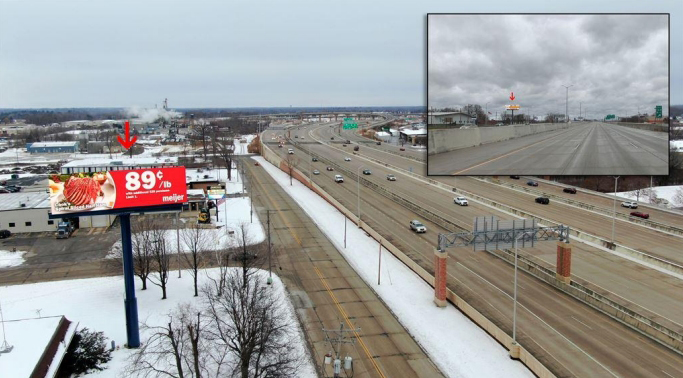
(462, 201)
(630, 205)
(338, 178)
(391, 177)
(290, 151)
(417, 226)
(347, 159)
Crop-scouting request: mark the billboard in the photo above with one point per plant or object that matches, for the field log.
(216, 193)
(112, 190)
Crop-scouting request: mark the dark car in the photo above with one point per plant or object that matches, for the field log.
(314, 159)
(543, 200)
(13, 188)
(569, 190)
(379, 143)
(402, 149)
(343, 145)
(356, 148)
(367, 172)
(348, 141)
(514, 177)
(640, 215)
(329, 168)
(331, 138)
(532, 183)
(4, 234)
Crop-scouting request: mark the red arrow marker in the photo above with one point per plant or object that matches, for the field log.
(127, 143)
(512, 96)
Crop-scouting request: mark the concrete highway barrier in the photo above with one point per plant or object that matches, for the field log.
(445, 140)
(498, 334)
(645, 126)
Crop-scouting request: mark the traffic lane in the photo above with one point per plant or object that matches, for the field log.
(635, 236)
(593, 149)
(656, 215)
(650, 289)
(473, 160)
(656, 142)
(375, 202)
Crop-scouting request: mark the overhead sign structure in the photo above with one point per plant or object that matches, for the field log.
(610, 116)
(112, 190)
(349, 124)
(512, 107)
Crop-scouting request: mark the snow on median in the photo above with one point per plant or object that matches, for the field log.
(454, 343)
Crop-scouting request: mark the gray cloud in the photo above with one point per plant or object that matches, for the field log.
(616, 63)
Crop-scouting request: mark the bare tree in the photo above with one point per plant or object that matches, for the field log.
(291, 161)
(252, 325)
(195, 240)
(226, 150)
(678, 197)
(178, 349)
(161, 260)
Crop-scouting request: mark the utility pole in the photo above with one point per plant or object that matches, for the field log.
(177, 237)
(339, 339)
(270, 269)
(566, 106)
(614, 210)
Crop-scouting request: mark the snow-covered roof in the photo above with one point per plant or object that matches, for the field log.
(53, 144)
(125, 161)
(30, 338)
(382, 134)
(31, 200)
(415, 132)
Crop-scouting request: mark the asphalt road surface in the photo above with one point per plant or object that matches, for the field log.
(565, 340)
(583, 149)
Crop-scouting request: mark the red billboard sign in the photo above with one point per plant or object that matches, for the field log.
(111, 190)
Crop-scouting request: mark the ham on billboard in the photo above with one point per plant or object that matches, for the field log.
(112, 190)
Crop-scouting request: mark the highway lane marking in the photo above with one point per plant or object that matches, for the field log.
(327, 287)
(672, 376)
(589, 327)
(510, 153)
(348, 322)
(541, 320)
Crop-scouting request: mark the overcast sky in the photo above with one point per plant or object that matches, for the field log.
(221, 53)
(613, 63)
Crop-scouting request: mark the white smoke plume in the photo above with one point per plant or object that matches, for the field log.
(152, 115)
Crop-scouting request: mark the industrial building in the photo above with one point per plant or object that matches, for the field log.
(28, 212)
(450, 118)
(52, 147)
(118, 164)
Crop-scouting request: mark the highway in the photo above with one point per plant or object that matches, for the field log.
(568, 336)
(582, 149)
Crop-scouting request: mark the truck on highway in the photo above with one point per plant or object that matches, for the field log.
(64, 230)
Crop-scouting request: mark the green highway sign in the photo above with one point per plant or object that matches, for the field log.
(658, 111)
(348, 126)
(348, 119)
(610, 116)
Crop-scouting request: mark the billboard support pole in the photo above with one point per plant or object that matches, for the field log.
(131, 303)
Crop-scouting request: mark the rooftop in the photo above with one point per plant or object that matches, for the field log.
(125, 161)
(31, 200)
(53, 144)
(414, 132)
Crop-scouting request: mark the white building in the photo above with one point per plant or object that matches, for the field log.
(448, 118)
(118, 164)
(26, 212)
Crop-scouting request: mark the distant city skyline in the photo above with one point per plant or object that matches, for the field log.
(240, 54)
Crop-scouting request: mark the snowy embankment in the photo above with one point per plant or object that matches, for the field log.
(677, 145)
(454, 343)
(9, 259)
(667, 193)
(232, 214)
(97, 303)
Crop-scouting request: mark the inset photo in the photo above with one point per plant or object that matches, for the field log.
(548, 94)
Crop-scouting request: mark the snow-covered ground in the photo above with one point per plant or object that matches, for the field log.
(97, 303)
(232, 212)
(241, 148)
(456, 345)
(663, 192)
(9, 258)
(21, 175)
(677, 144)
(234, 185)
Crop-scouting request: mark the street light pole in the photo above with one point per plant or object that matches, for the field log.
(486, 116)
(566, 106)
(358, 191)
(614, 210)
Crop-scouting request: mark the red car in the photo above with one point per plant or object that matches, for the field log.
(640, 215)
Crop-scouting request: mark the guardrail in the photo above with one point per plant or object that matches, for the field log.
(487, 325)
(583, 205)
(657, 331)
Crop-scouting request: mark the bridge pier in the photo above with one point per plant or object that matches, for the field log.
(564, 261)
(440, 276)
